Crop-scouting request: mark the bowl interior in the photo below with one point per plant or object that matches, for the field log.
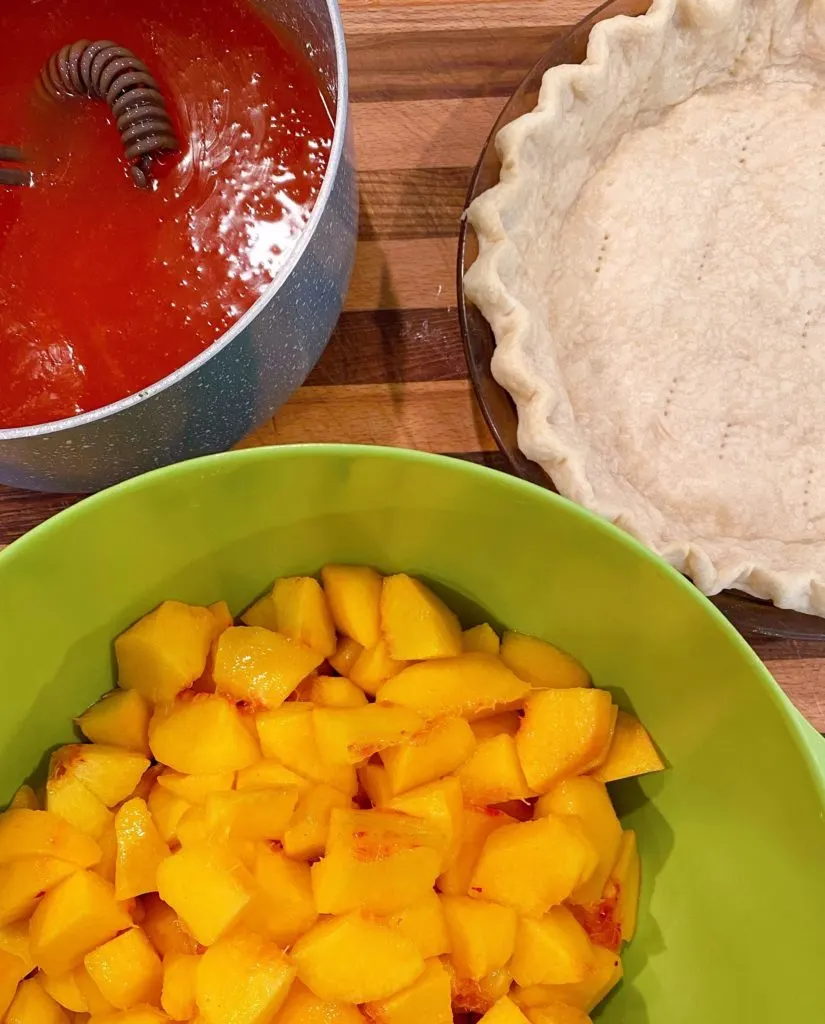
(732, 836)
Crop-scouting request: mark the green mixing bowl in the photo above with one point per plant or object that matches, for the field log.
(732, 836)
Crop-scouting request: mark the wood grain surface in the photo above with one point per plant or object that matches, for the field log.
(428, 79)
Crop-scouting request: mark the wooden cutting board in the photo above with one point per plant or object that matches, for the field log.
(428, 79)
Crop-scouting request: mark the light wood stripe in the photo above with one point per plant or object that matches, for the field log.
(412, 203)
(804, 682)
(422, 133)
(433, 417)
(365, 16)
(404, 274)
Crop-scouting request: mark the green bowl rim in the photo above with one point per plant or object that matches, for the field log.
(802, 733)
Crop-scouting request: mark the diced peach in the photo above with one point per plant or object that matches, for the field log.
(119, 719)
(481, 639)
(429, 754)
(167, 933)
(111, 773)
(350, 735)
(377, 861)
(631, 752)
(346, 654)
(69, 799)
(165, 652)
(202, 735)
(482, 935)
(427, 999)
(208, 888)
(562, 730)
(587, 800)
(266, 774)
(303, 1007)
(375, 783)
(24, 882)
(255, 814)
(557, 1013)
(306, 835)
(33, 1005)
(12, 972)
(533, 865)
(261, 667)
(477, 995)
(541, 664)
(65, 990)
(178, 997)
(287, 734)
(626, 878)
(127, 970)
(416, 624)
(166, 810)
(551, 950)
(374, 666)
(137, 1015)
(442, 805)
(284, 907)
(302, 614)
(604, 975)
(25, 798)
(221, 618)
(507, 722)
(424, 924)
(261, 614)
(194, 789)
(73, 919)
(470, 685)
(140, 850)
(493, 774)
(25, 833)
(354, 596)
(504, 1011)
(356, 959)
(96, 1004)
(336, 692)
(479, 822)
(242, 979)
(14, 939)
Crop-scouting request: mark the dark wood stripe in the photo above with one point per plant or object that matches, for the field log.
(20, 511)
(444, 65)
(420, 203)
(393, 347)
(492, 460)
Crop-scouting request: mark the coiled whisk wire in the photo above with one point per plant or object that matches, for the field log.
(105, 71)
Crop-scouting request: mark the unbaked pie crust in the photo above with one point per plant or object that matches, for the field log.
(652, 263)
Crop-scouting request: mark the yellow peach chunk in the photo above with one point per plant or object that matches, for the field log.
(111, 773)
(140, 850)
(166, 810)
(477, 995)
(541, 664)
(165, 651)
(587, 800)
(504, 1011)
(350, 735)
(25, 833)
(507, 722)
(138, 1015)
(533, 865)
(287, 734)
(427, 999)
(208, 888)
(478, 822)
(551, 950)
(303, 1007)
(482, 935)
(424, 924)
(65, 990)
(33, 1005)
(377, 861)
(260, 666)
(481, 639)
(354, 596)
(127, 970)
(416, 624)
(283, 907)
(631, 752)
(305, 837)
(202, 735)
(375, 783)
(177, 996)
(470, 685)
(119, 719)
(12, 972)
(261, 614)
(267, 774)
(336, 692)
(250, 813)
(604, 975)
(73, 919)
(24, 882)
(442, 805)
(373, 667)
(356, 959)
(242, 979)
(25, 798)
(493, 774)
(302, 614)
(166, 931)
(561, 732)
(428, 755)
(69, 799)
(626, 878)
(14, 939)
(194, 789)
(346, 654)
(557, 1013)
